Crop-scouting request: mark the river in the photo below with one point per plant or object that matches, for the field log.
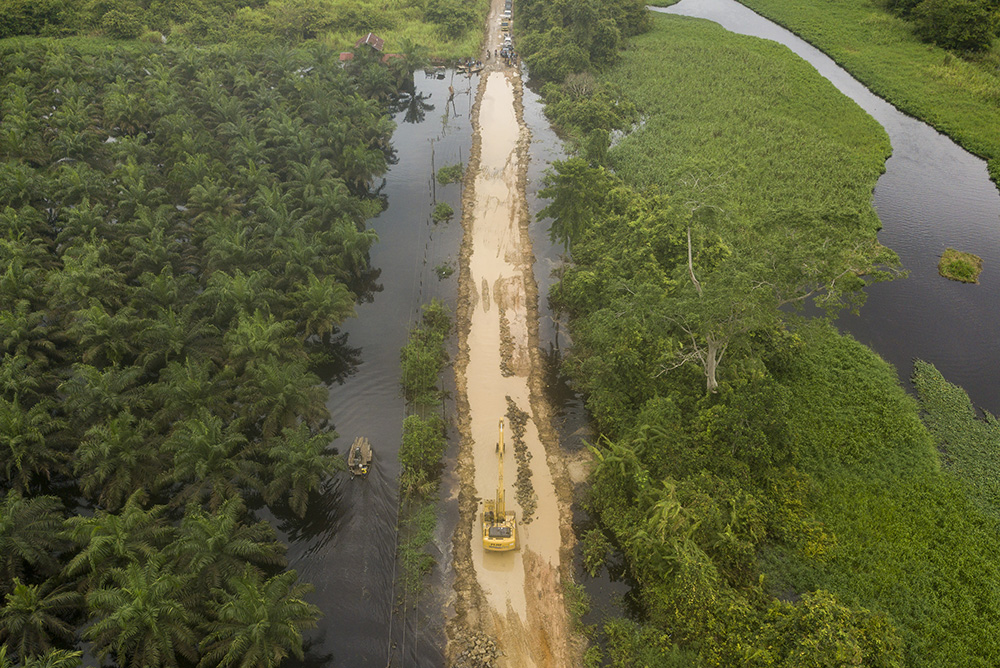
(934, 194)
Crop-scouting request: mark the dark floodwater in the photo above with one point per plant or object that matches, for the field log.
(346, 546)
(933, 195)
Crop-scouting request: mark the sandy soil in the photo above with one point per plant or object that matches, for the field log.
(509, 606)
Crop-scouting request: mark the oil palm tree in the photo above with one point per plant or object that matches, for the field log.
(299, 461)
(118, 457)
(91, 393)
(184, 387)
(27, 441)
(210, 461)
(258, 622)
(144, 617)
(278, 394)
(214, 546)
(109, 542)
(33, 615)
(30, 534)
(260, 338)
(54, 658)
(321, 305)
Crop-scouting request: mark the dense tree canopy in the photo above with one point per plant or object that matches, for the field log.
(182, 232)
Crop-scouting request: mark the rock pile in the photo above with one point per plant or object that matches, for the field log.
(480, 651)
(524, 491)
(506, 345)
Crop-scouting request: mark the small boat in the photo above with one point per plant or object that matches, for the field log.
(359, 459)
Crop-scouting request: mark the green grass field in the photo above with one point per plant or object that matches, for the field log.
(752, 123)
(910, 541)
(958, 97)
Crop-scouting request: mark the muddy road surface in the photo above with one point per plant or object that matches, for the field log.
(510, 609)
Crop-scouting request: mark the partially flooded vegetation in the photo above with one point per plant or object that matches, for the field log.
(183, 232)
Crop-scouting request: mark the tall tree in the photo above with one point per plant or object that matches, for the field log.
(215, 546)
(142, 616)
(30, 535)
(33, 615)
(258, 622)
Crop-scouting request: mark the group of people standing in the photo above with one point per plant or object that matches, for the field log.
(506, 52)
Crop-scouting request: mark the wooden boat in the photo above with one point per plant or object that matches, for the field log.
(359, 458)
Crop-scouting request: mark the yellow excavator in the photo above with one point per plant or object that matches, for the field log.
(499, 524)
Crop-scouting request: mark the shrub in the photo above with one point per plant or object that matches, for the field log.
(962, 25)
(121, 24)
(442, 213)
(959, 266)
(450, 174)
(422, 448)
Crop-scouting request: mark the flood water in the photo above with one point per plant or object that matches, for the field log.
(933, 195)
(346, 546)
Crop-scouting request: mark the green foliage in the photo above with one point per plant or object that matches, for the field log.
(631, 645)
(120, 24)
(969, 444)
(417, 530)
(960, 25)
(424, 355)
(259, 621)
(595, 551)
(577, 192)
(450, 174)
(453, 17)
(165, 290)
(578, 605)
(564, 37)
(756, 233)
(960, 97)
(423, 442)
(444, 270)
(807, 476)
(421, 451)
(959, 266)
(443, 213)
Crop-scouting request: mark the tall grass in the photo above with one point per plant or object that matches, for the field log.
(959, 97)
(909, 541)
(743, 124)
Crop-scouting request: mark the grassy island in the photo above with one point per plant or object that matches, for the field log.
(959, 266)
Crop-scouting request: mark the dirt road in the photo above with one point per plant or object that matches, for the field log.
(508, 604)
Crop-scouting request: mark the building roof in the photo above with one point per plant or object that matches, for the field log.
(372, 40)
(346, 55)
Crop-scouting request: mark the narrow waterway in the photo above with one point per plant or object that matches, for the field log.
(933, 195)
(346, 545)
